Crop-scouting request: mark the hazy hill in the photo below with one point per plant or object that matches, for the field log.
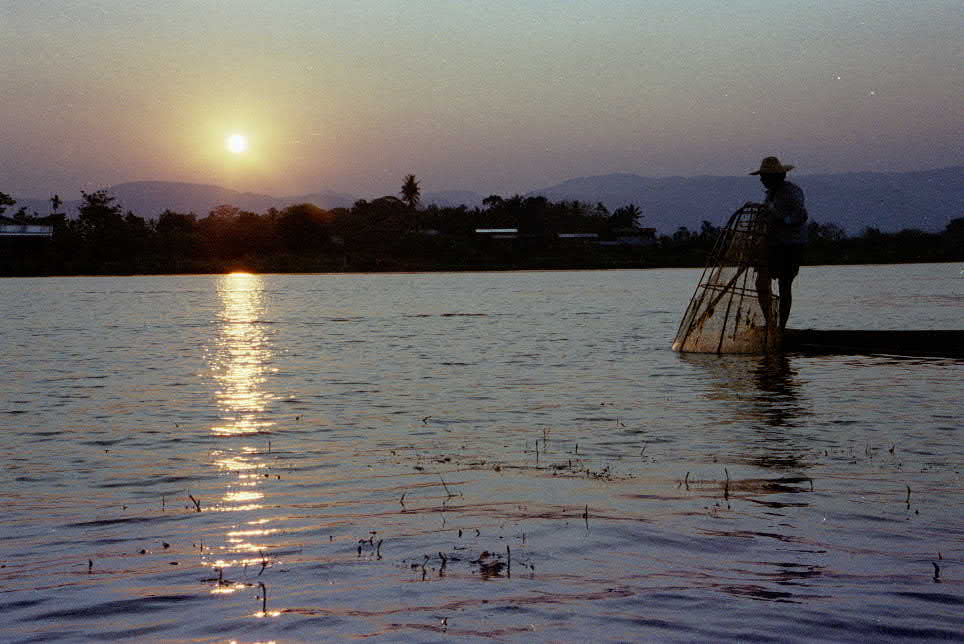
(453, 198)
(890, 201)
(150, 198)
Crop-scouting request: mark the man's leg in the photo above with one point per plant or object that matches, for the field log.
(786, 299)
(792, 257)
(763, 291)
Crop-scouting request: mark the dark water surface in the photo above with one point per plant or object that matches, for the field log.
(488, 457)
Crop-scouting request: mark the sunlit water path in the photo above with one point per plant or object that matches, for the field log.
(493, 457)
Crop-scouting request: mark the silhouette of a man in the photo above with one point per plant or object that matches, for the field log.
(786, 218)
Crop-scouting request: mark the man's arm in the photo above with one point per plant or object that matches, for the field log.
(788, 206)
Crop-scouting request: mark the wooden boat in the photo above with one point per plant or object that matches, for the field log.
(940, 343)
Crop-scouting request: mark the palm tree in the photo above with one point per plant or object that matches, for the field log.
(6, 200)
(412, 195)
(625, 217)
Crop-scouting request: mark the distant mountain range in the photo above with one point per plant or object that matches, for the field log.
(890, 201)
(151, 198)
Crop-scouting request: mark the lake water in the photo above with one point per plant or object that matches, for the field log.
(488, 457)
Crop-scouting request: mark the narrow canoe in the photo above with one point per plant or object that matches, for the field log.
(940, 343)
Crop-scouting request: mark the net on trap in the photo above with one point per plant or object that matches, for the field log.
(725, 314)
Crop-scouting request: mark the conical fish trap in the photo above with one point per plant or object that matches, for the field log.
(725, 314)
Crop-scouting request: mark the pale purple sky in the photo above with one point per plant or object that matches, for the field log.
(495, 97)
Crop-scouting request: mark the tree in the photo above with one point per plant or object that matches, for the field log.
(137, 235)
(955, 230)
(953, 239)
(99, 216)
(493, 201)
(101, 226)
(682, 234)
(625, 217)
(304, 227)
(530, 216)
(411, 195)
(6, 200)
(225, 212)
(25, 216)
(177, 234)
(817, 232)
(708, 234)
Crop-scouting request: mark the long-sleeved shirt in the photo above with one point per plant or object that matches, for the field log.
(787, 215)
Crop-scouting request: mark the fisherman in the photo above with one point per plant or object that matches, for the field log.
(786, 218)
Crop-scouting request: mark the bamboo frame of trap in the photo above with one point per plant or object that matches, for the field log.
(725, 314)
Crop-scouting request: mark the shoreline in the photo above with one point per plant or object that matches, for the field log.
(245, 267)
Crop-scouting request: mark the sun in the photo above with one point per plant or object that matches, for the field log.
(236, 143)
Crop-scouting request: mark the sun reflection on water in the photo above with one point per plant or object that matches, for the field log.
(241, 357)
(239, 362)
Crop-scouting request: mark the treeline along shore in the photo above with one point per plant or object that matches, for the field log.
(392, 234)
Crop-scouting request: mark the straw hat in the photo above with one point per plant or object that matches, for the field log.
(772, 165)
